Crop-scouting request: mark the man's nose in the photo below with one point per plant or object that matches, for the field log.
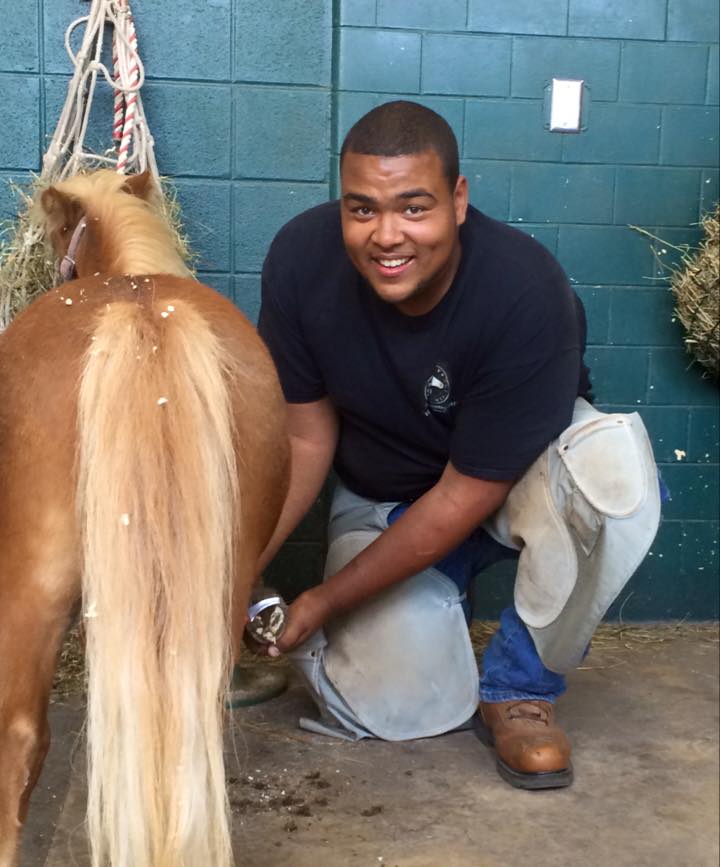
(387, 231)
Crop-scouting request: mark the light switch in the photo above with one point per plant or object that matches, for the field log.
(566, 105)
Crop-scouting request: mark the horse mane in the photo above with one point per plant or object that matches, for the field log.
(135, 235)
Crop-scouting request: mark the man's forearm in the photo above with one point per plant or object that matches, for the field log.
(432, 527)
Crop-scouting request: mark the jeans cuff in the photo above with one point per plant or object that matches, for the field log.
(495, 695)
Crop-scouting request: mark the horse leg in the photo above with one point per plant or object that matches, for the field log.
(32, 626)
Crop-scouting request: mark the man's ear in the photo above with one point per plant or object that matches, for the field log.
(460, 199)
(59, 210)
(141, 185)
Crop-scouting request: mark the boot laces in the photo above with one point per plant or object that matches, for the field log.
(531, 711)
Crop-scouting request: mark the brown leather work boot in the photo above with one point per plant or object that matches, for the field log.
(531, 750)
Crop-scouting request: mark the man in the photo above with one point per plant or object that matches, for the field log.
(431, 354)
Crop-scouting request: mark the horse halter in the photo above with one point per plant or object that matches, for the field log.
(67, 265)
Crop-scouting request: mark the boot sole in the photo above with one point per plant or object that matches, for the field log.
(518, 779)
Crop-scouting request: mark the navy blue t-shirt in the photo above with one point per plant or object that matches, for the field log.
(486, 379)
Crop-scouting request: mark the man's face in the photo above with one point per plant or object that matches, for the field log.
(400, 224)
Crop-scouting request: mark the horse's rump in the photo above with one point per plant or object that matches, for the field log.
(179, 473)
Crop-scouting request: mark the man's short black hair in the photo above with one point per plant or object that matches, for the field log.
(400, 128)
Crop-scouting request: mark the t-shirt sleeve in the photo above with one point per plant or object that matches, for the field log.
(280, 325)
(522, 396)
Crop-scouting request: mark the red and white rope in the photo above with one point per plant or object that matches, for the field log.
(134, 151)
(119, 97)
(128, 72)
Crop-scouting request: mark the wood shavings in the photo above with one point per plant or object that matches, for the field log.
(161, 401)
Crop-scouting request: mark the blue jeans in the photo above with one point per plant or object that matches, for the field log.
(512, 668)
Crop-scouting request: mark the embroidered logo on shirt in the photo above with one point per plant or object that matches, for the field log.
(437, 391)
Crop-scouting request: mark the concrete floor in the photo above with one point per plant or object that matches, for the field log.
(643, 723)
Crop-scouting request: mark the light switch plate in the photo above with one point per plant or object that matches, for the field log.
(566, 103)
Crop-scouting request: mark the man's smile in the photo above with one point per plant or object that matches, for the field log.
(391, 266)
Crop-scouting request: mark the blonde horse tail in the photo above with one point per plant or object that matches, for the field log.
(158, 506)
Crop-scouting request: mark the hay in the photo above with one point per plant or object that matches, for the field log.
(613, 644)
(696, 286)
(610, 639)
(28, 267)
(697, 291)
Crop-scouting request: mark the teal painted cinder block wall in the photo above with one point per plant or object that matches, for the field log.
(248, 101)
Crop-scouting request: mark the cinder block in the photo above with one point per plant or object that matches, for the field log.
(261, 209)
(596, 301)
(711, 96)
(709, 190)
(642, 19)
(667, 427)
(604, 255)
(694, 490)
(351, 106)
(57, 16)
(618, 376)
(246, 295)
(676, 379)
(282, 133)
(537, 61)
(466, 64)
(508, 130)
(654, 592)
(489, 186)
(642, 317)
(663, 72)
(357, 13)
(669, 250)
(220, 282)
(379, 60)
(540, 17)
(700, 557)
(616, 134)
(19, 121)
(170, 108)
(704, 435)
(98, 136)
(656, 196)
(421, 14)
(668, 430)
(693, 20)
(690, 136)
(19, 37)
(207, 217)
(562, 193)
(200, 45)
(545, 235)
(283, 41)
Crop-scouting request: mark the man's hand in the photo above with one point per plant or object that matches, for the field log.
(305, 616)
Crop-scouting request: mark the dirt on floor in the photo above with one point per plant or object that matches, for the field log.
(642, 717)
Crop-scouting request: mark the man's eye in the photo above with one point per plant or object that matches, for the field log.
(362, 211)
(414, 210)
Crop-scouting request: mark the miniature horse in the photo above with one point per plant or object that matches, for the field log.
(143, 465)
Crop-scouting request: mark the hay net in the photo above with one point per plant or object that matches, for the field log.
(696, 286)
(27, 268)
